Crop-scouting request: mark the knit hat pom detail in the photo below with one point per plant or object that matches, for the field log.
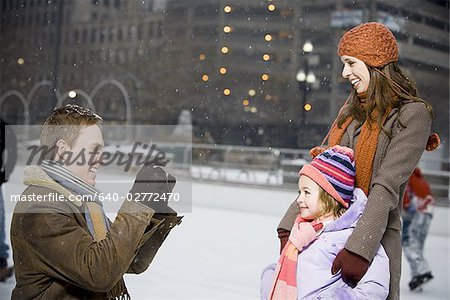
(433, 142)
(316, 151)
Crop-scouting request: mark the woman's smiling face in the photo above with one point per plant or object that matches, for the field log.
(356, 72)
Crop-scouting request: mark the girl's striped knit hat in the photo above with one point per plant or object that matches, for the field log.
(334, 171)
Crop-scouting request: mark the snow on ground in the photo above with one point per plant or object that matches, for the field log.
(219, 250)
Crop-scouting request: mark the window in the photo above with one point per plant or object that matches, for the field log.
(119, 34)
(30, 20)
(150, 30)
(140, 33)
(84, 36)
(110, 34)
(102, 35)
(76, 37)
(159, 29)
(93, 35)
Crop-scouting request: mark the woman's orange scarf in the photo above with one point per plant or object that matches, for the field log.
(366, 146)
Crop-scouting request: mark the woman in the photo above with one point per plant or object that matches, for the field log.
(388, 127)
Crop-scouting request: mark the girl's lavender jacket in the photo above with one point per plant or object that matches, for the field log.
(314, 278)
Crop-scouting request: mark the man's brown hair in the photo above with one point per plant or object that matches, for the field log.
(65, 124)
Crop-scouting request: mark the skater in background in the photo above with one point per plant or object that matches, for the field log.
(329, 208)
(417, 214)
(388, 126)
(8, 158)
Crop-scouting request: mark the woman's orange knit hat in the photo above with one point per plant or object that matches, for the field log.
(372, 42)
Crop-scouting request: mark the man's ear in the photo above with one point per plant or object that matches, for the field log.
(61, 149)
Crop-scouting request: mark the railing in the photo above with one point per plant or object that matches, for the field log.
(279, 167)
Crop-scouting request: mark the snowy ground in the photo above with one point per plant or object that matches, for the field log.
(221, 247)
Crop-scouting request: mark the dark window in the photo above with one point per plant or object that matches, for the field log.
(106, 3)
(66, 39)
(150, 30)
(102, 35)
(76, 37)
(119, 34)
(140, 33)
(160, 29)
(401, 36)
(22, 20)
(84, 36)
(38, 18)
(93, 35)
(431, 45)
(117, 4)
(436, 23)
(110, 35)
(30, 19)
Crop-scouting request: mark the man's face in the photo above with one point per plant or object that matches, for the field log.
(89, 143)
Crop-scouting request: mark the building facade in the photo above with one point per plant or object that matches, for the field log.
(251, 72)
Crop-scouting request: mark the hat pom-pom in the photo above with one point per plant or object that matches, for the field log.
(433, 142)
(316, 151)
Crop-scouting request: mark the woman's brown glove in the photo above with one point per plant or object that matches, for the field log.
(353, 267)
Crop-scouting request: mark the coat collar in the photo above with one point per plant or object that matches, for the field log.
(35, 175)
(352, 214)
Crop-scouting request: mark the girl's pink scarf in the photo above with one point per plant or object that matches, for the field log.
(285, 279)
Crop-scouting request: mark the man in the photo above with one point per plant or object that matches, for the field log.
(68, 249)
(8, 157)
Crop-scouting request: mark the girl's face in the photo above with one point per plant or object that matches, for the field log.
(356, 72)
(308, 198)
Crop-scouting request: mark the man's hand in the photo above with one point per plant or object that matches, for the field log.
(353, 267)
(153, 187)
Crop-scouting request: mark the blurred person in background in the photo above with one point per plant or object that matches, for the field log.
(8, 158)
(67, 248)
(417, 214)
(388, 126)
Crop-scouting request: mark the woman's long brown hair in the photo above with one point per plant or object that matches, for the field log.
(389, 88)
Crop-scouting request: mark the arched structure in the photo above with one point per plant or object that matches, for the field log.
(124, 92)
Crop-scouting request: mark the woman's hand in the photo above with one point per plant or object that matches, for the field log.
(353, 267)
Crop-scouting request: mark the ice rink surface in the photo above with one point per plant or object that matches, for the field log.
(219, 250)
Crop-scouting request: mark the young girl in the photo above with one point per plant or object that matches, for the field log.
(330, 206)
